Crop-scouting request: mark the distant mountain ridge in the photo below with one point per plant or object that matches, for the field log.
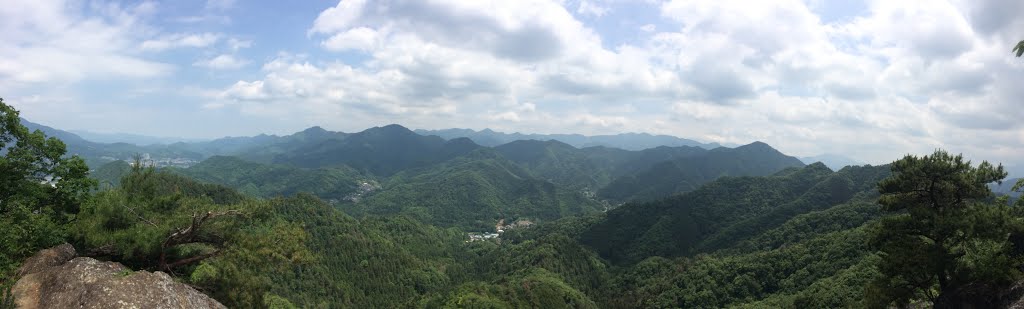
(96, 154)
(833, 161)
(136, 139)
(1006, 187)
(610, 173)
(380, 150)
(627, 141)
(690, 172)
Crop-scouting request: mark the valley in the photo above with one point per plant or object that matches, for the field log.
(387, 217)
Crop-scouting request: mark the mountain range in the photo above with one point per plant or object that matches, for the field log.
(833, 161)
(392, 170)
(387, 217)
(627, 141)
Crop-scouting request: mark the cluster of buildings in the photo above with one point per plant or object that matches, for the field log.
(364, 188)
(147, 159)
(499, 228)
(482, 236)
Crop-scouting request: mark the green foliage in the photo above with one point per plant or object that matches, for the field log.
(6, 297)
(40, 190)
(275, 180)
(373, 263)
(528, 288)
(791, 237)
(272, 301)
(1019, 49)
(558, 162)
(109, 175)
(942, 242)
(713, 217)
(690, 172)
(473, 192)
(381, 151)
(225, 243)
(715, 281)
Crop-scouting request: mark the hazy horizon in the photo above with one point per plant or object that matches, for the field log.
(872, 80)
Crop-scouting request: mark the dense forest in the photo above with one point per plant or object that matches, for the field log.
(389, 218)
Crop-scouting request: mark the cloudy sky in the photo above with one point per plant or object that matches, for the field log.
(873, 80)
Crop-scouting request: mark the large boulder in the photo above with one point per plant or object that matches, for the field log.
(55, 278)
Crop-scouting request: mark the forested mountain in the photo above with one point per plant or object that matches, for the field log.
(558, 162)
(380, 151)
(389, 221)
(591, 168)
(627, 141)
(474, 192)
(97, 154)
(135, 139)
(690, 172)
(722, 212)
(110, 174)
(1006, 187)
(262, 148)
(266, 180)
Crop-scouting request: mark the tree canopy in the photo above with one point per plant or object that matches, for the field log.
(944, 239)
(40, 189)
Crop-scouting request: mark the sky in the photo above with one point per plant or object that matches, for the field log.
(872, 80)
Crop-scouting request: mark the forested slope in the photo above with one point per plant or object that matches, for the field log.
(690, 172)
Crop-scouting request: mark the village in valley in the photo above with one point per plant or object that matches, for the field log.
(499, 229)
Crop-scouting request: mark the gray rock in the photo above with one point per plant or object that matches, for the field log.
(47, 258)
(52, 280)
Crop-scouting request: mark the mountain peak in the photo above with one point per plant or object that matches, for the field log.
(314, 129)
(395, 128)
(757, 146)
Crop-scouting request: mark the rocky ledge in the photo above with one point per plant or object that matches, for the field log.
(57, 278)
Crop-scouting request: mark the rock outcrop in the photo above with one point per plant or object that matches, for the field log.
(56, 278)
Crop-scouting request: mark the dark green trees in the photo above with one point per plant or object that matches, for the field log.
(943, 241)
(40, 190)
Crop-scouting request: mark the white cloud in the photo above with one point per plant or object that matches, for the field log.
(222, 62)
(56, 42)
(904, 77)
(181, 40)
(588, 8)
(236, 44)
(360, 38)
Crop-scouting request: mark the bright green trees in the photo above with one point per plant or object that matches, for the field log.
(40, 190)
(943, 241)
(219, 240)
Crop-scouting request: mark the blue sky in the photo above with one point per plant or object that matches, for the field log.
(869, 79)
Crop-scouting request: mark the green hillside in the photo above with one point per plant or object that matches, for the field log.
(474, 191)
(264, 180)
(380, 151)
(690, 172)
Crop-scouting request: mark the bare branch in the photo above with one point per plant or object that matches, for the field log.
(136, 214)
(190, 234)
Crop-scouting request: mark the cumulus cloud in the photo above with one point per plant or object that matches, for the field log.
(55, 42)
(903, 77)
(588, 8)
